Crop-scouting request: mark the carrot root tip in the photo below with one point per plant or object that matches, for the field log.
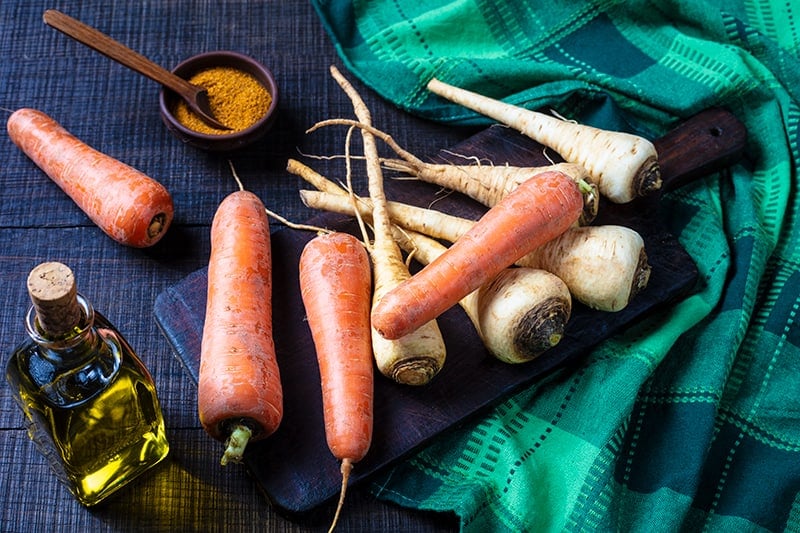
(236, 444)
(346, 468)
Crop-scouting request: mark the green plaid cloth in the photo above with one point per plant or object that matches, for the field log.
(691, 419)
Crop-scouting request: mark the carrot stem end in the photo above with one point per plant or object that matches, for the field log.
(236, 444)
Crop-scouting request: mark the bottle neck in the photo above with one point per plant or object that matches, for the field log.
(71, 346)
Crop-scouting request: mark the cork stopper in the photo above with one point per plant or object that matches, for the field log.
(54, 294)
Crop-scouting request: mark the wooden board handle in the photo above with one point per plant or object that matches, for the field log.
(705, 143)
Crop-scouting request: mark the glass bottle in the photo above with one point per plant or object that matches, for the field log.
(90, 404)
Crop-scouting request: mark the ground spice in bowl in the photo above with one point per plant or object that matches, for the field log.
(242, 94)
(237, 99)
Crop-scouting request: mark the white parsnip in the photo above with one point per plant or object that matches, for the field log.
(311, 176)
(412, 359)
(484, 183)
(426, 221)
(519, 315)
(604, 266)
(623, 165)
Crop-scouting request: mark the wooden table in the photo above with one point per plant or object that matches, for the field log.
(115, 110)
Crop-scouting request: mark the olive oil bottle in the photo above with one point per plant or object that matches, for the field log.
(90, 404)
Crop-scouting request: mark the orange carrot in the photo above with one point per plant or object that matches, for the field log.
(132, 208)
(240, 398)
(540, 209)
(519, 314)
(336, 287)
(604, 266)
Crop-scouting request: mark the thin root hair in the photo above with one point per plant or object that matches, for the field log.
(304, 227)
(327, 157)
(235, 175)
(477, 160)
(349, 188)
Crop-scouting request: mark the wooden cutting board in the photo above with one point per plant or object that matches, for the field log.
(294, 466)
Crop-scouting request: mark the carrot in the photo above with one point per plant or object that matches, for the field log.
(240, 398)
(335, 284)
(519, 314)
(623, 165)
(414, 358)
(540, 209)
(605, 266)
(130, 207)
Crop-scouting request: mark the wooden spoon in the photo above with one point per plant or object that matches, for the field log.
(196, 97)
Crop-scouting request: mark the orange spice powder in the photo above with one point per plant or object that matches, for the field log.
(237, 99)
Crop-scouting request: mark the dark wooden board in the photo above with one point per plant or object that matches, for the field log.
(294, 466)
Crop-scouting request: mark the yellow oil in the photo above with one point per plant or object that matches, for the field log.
(107, 431)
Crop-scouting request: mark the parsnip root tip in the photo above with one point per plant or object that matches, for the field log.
(416, 371)
(642, 277)
(541, 329)
(236, 444)
(555, 338)
(649, 179)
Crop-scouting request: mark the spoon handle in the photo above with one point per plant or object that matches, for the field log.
(118, 52)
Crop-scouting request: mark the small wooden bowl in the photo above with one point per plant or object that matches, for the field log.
(225, 141)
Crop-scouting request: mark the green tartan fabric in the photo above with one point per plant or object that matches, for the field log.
(690, 420)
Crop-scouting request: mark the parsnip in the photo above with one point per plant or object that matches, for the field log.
(603, 266)
(623, 165)
(484, 183)
(412, 359)
(519, 315)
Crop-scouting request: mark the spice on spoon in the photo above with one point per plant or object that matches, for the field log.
(237, 99)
